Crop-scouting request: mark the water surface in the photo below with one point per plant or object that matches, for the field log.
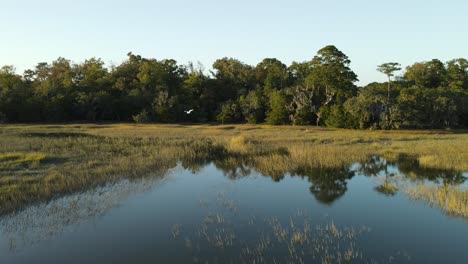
(214, 213)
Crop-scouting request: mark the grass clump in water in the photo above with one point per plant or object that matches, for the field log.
(387, 188)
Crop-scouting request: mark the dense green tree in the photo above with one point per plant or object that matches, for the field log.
(331, 79)
(429, 107)
(125, 88)
(431, 74)
(92, 91)
(272, 74)
(338, 117)
(198, 93)
(234, 78)
(301, 106)
(321, 91)
(299, 71)
(277, 115)
(17, 101)
(54, 86)
(142, 117)
(230, 113)
(457, 74)
(253, 106)
(366, 110)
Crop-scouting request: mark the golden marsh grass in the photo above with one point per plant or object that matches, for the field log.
(453, 200)
(39, 162)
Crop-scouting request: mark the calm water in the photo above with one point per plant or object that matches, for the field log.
(216, 214)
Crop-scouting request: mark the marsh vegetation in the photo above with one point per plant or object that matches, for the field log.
(66, 175)
(41, 162)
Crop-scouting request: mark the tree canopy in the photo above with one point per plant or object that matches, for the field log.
(319, 91)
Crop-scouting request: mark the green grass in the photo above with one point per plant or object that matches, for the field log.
(40, 162)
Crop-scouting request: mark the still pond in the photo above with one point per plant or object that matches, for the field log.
(211, 213)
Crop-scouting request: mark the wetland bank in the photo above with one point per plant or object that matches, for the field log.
(231, 194)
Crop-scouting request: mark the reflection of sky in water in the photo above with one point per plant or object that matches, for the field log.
(134, 220)
(464, 184)
(45, 220)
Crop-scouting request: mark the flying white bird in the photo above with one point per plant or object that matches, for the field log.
(189, 111)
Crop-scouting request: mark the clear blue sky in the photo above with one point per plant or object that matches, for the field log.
(370, 32)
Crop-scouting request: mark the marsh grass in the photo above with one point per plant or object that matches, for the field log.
(240, 145)
(78, 163)
(18, 160)
(40, 162)
(452, 200)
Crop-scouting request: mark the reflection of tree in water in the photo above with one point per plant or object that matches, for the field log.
(328, 184)
(202, 152)
(410, 166)
(373, 166)
(275, 175)
(233, 168)
(194, 165)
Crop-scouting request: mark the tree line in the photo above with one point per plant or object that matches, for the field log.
(321, 91)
